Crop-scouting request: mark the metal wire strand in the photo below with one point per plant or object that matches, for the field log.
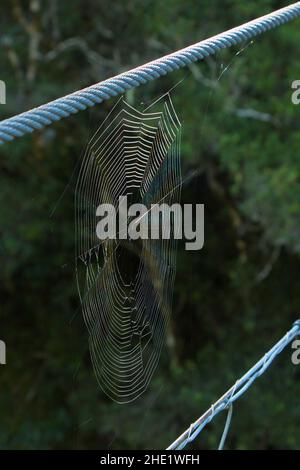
(60, 108)
(226, 428)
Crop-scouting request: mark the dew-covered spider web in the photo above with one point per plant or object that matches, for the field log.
(126, 286)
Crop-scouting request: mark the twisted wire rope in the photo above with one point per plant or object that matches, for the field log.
(236, 391)
(46, 114)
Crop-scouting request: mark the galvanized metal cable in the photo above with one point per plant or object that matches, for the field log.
(235, 392)
(60, 108)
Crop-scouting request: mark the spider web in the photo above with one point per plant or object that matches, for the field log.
(126, 286)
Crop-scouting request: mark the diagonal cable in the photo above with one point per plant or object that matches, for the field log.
(236, 391)
(60, 108)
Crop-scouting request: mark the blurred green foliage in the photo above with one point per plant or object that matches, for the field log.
(232, 300)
